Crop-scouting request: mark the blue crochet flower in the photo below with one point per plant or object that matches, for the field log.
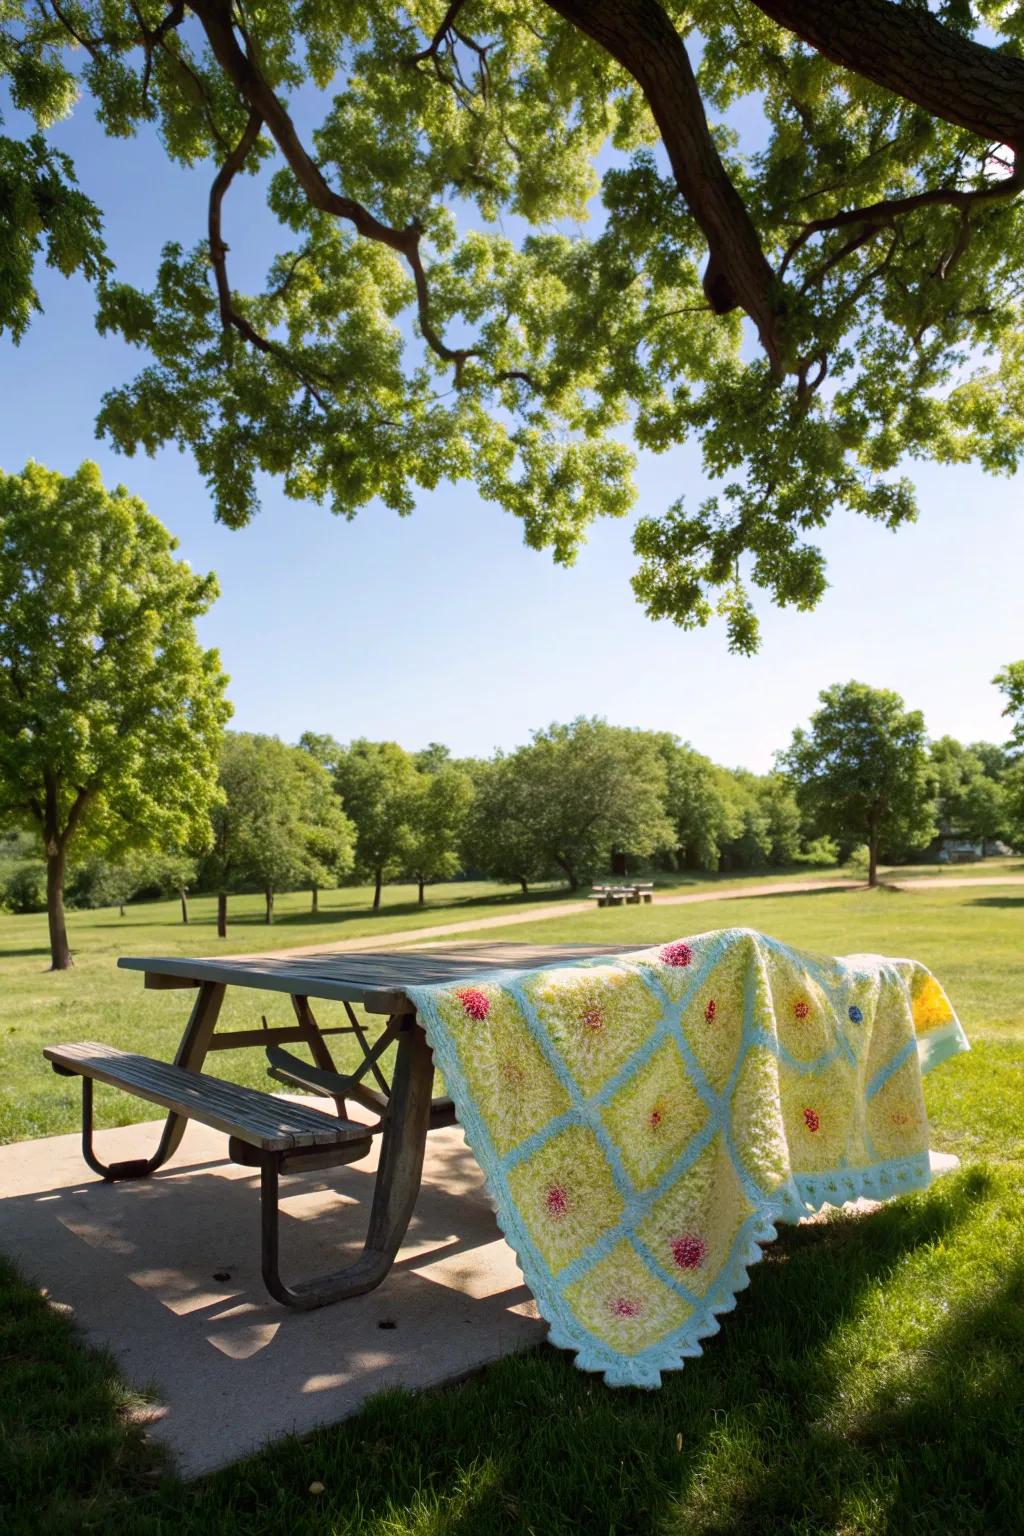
(856, 1017)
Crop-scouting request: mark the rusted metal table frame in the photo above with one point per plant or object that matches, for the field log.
(375, 981)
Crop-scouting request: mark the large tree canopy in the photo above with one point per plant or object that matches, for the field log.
(843, 174)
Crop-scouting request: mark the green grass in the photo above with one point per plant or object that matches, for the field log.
(870, 1381)
(96, 1001)
(983, 869)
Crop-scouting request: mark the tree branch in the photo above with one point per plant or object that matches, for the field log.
(433, 47)
(876, 216)
(641, 37)
(905, 49)
(230, 316)
(242, 69)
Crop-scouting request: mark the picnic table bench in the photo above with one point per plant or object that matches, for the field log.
(281, 1137)
(631, 892)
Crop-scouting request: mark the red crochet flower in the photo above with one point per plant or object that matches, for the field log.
(593, 1019)
(812, 1120)
(801, 1009)
(710, 1011)
(474, 1002)
(557, 1201)
(656, 1116)
(625, 1306)
(688, 1251)
(676, 954)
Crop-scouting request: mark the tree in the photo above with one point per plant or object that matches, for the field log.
(437, 816)
(866, 236)
(377, 784)
(501, 835)
(278, 823)
(700, 802)
(100, 882)
(592, 790)
(175, 869)
(111, 713)
(781, 818)
(1011, 683)
(862, 772)
(327, 833)
(970, 802)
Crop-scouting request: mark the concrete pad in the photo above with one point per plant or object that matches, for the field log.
(165, 1273)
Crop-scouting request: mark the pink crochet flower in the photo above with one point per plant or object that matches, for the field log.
(656, 1115)
(676, 954)
(625, 1306)
(557, 1201)
(710, 1011)
(812, 1120)
(801, 1009)
(593, 1019)
(475, 1004)
(688, 1251)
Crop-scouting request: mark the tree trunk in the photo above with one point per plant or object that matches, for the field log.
(523, 885)
(421, 882)
(314, 905)
(60, 950)
(379, 873)
(183, 897)
(121, 906)
(619, 864)
(269, 895)
(873, 860)
(222, 914)
(569, 872)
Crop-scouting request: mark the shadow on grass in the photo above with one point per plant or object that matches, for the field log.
(533, 1445)
(791, 1420)
(140, 916)
(1002, 902)
(24, 952)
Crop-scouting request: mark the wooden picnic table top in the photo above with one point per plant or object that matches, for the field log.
(375, 978)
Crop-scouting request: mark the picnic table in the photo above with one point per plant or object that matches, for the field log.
(279, 1138)
(632, 892)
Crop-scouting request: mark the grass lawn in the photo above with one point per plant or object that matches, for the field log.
(870, 1381)
(96, 1001)
(982, 869)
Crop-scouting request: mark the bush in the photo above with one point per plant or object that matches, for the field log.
(820, 853)
(858, 862)
(25, 889)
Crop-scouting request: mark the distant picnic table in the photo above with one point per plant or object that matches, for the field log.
(631, 892)
(280, 1137)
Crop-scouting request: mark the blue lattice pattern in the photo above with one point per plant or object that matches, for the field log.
(644, 1121)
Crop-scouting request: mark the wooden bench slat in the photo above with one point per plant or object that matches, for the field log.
(257, 1118)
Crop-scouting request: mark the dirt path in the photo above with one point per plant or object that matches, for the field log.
(684, 898)
(562, 909)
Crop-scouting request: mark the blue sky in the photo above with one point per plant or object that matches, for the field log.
(443, 626)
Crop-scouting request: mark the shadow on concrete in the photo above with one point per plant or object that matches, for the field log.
(165, 1273)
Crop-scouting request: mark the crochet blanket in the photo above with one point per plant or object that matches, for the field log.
(644, 1120)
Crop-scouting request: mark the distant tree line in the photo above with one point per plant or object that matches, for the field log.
(118, 777)
(578, 800)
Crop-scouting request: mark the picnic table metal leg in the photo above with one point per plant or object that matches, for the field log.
(192, 1049)
(191, 1053)
(318, 1047)
(398, 1181)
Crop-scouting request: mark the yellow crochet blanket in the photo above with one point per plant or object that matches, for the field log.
(644, 1120)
